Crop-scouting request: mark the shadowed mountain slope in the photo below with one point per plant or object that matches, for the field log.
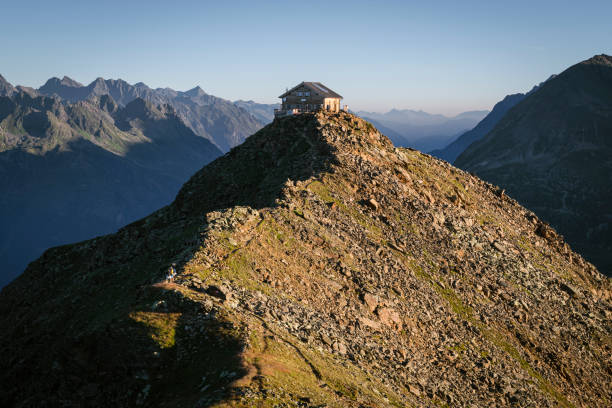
(453, 150)
(69, 172)
(553, 153)
(317, 265)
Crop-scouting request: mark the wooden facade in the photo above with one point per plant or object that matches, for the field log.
(308, 97)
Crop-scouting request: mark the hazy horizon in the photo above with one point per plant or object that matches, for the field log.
(445, 58)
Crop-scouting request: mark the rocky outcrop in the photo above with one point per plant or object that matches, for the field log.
(317, 265)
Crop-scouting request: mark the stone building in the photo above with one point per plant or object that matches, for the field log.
(308, 97)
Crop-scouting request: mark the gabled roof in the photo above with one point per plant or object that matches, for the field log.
(317, 88)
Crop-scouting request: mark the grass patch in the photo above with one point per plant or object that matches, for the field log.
(455, 303)
(161, 326)
(543, 384)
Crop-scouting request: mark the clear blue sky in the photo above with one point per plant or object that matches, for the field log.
(442, 57)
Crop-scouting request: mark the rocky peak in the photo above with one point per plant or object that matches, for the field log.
(51, 84)
(315, 265)
(195, 92)
(67, 81)
(98, 86)
(601, 59)
(6, 89)
(29, 90)
(53, 81)
(65, 88)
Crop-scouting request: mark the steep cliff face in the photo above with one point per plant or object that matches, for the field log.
(553, 153)
(317, 265)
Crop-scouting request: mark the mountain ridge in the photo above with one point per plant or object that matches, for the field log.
(211, 117)
(552, 152)
(316, 264)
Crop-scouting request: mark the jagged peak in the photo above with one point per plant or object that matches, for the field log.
(28, 90)
(3, 80)
(195, 92)
(99, 85)
(6, 88)
(52, 81)
(99, 81)
(600, 59)
(67, 81)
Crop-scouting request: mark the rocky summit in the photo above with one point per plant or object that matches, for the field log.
(316, 266)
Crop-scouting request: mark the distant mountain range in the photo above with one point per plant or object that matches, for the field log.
(222, 122)
(73, 170)
(553, 153)
(421, 130)
(262, 111)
